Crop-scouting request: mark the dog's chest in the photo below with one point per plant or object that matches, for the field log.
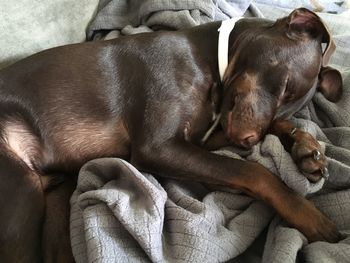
(198, 123)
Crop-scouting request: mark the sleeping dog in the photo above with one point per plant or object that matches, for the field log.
(161, 100)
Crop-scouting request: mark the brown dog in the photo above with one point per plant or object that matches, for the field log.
(150, 99)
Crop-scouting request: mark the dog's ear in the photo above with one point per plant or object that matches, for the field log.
(303, 20)
(330, 83)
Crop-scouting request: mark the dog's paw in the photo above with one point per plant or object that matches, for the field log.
(309, 156)
(323, 230)
(314, 225)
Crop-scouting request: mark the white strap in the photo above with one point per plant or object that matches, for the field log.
(211, 129)
(224, 35)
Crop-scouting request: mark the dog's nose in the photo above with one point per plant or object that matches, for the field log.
(243, 137)
(248, 138)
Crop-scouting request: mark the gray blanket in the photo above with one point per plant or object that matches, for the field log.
(134, 16)
(122, 215)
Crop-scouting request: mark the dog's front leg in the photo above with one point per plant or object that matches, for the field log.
(304, 148)
(180, 159)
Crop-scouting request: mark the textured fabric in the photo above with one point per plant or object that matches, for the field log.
(29, 26)
(121, 215)
(134, 16)
(118, 214)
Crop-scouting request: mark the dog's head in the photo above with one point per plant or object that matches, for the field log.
(273, 71)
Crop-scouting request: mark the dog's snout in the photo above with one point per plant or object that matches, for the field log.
(248, 138)
(244, 138)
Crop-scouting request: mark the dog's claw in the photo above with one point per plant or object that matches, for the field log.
(317, 155)
(325, 173)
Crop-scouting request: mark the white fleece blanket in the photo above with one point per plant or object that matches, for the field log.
(121, 215)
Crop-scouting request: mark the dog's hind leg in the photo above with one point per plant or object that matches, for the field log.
(22, 207)
(56, 239)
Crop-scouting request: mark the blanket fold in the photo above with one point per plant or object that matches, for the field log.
(160, 14)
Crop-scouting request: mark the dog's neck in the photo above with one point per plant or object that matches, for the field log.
(223, 42)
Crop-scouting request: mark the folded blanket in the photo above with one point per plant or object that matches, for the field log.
(121, 215)
(134, 16)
